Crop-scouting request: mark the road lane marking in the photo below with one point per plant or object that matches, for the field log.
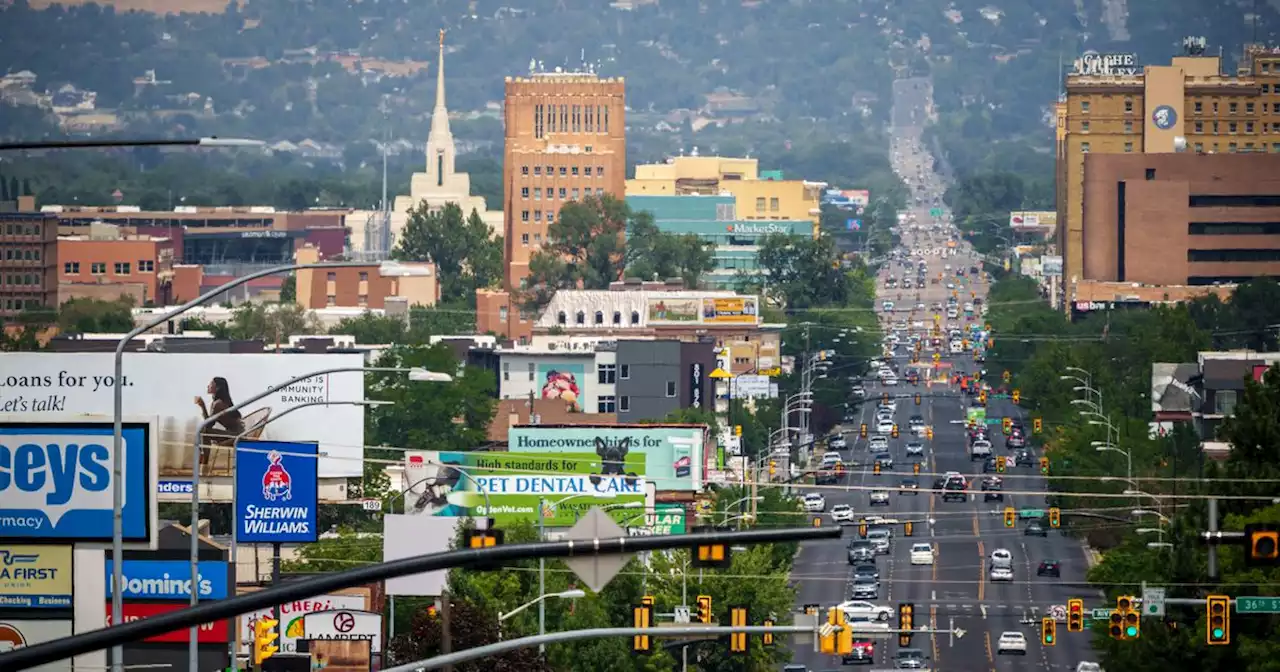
(982, 574)
(933, 636)
(990, 658)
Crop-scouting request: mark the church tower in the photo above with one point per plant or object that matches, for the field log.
(440, 148)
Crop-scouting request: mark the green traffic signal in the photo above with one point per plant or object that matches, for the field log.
(1131, 631)
(1217, 633)
(1048, 638)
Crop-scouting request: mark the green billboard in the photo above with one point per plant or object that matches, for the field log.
(671, 457)
(665, 519)
(509, 486)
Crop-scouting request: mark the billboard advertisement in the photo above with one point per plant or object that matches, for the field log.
(1051, 267)
(672, 310)
(669, 457)
(170, 580)
(56, 479)
(292, 619)
(36, 577)
(19, 633)
(180, 388)
(508, 486)
(207, 633)
(277, 492)
(563, 381)
(737, 310)
(665, 519)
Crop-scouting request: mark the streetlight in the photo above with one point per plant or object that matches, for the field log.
(542, 562)
(1108, 447)
(571, 594)
(739, 504)
(117, 458)
(1148, 512)
(212, 141)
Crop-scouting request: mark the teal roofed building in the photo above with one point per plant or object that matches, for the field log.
(714, 218)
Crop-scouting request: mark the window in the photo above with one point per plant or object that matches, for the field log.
(617, 317)
(635, 317)
(561, 318)
(524, 239)
(362, 300)
(122, 267)
(1084, 148)
(1199, 127)
(331, 276)
(331, 300)
(1128, 147)
(624, 404)
(624, 371)
(600, 192)
(1248, 127)
(606, 404)
(671, 388)
(760, 204)
(1248, 108)
(502, 314)
(1199, 147)
(607, 374)
(1128, 104)
(1224, 402)
(551, 216)
(580, 318)
(71, 268)
(1232, 107)
(533, 371)
(524, 192)
(574, 193)
(1215, 128)
(506, 370)
(562, 193)
(599, 317)
(1231, 127)
(364, 276)
(524, 215)
(773, 204)
(537, 215)
(149, 266)
(574, 172)
(599, 169)
(563, 171)
(537, 170)
(1128, 127)
(1084, 106)
(586, 171)
(1151, 173)
(537, 193)
(98, 268)
(1084, 126)
(524, 170)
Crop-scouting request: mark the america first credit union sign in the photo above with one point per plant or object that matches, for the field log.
(1093, 63)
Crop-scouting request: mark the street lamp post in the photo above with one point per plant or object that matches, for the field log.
(542, 564)
(572, 594)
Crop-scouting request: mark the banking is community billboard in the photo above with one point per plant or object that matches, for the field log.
(181, 388)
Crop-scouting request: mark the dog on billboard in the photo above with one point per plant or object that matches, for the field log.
(613, 455)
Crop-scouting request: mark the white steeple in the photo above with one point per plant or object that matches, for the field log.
(440, 148)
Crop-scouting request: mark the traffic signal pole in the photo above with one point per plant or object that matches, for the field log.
(134, 631)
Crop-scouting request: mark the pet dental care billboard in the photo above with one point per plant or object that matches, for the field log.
(672, 456)
(508, 486)
(181, 388)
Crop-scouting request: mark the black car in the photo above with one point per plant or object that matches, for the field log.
(992, 493)
(1049, 568)
(866, 571)
(1035, 529)
(954, 491)
(989, 466)
(910, 486)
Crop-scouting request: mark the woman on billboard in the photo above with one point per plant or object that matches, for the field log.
(232, 424)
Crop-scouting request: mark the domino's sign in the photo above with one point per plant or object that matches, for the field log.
(56, 479)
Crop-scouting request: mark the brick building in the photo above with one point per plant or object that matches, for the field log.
(28, 259)
(137, 266)
(373, 285)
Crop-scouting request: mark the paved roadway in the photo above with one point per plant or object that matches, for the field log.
(954, 592)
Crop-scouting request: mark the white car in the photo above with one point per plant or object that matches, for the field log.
(832, 456)
(1001, 557)
(838, 442)
(890, 380)
(879, 443)
(815, 503)
(957, 347)
(915, 449)
(1086, 666)
(1011, 642)
(879, 497)
(858, 610)
(1003, 574)
(884, 426)
(842, 513)
(921, 554)
(887, 306)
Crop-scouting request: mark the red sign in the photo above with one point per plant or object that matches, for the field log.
(1258, 370)
(209, 633)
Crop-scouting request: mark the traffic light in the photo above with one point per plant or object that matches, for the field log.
(710, 555)
(1010, 516)
(1131, 620)
(1000, 464)
(704, 608)
(1218, 632)
(642, 617)
(884, 398)
(1261, 547)
(738, 640)
(982, 397)
(915, 468)
(907, 528)
(773, 467)
(1048, 628)
(894, 432)
(827, 642)
(482, 538)
(937, 357)
(1037, 425)
(1017, 397)
(1044, 466)
(1075, 615)
(1005, 376)
(862, 528)
(1006, 424)
(264, 636)
(875, 468)
(905, 610)
(767, 638)
(862, 431)
(918, 399)
(928, 433)
(1116, 627)
(1055, 517)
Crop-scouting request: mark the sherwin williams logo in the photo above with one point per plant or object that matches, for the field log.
(45, 476)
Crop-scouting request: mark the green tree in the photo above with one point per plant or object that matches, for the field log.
(289, 289)
(88, 316)
(655, 254)
(802, 272)
(428, 416)
(466, 256)
(272, 323)
(347, 549)
(586, 248)
(375, 329)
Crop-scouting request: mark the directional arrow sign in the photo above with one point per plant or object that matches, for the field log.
(958, 633)
(596, 571)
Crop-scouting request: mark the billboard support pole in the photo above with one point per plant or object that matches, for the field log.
(117, 458)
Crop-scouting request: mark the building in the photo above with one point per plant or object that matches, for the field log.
(1204, 392)
(107, 264)
(440, 184)
(565, 139)
(374, 286)
(714, 218)
(757, 195)
(1112, 106)
(28, 259)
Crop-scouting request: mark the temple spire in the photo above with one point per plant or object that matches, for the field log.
(440, 147)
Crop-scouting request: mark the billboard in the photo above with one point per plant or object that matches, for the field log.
(669, 457)
(563, 381)
(207, 633)
(36, 577)
(508, 486)
(665, 519)
(277, 492)
(737, 310)
(292, 619)
(170, 580)
(672, 310)
(1051, 267)
(168, 385)
(19, 633)
(56, 479)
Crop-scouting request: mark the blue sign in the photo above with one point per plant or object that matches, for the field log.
(276, 492)
(174, 488)
(1164, 117)
(171, 580)
(55, 481)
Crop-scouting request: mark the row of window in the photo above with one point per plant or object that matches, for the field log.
(1234, 201)
(1232, 147)
(1232, 128)
(361, 300)
(622, 404)
(1233, 255)
(119, 267)
(333, 277)
(565, 194)
(570, 119)
(20, 303)
(24, 253)
(1197, 107)
(22, 229)
(28, 279)
(1233, 228)
(581, 318)
(565, 171)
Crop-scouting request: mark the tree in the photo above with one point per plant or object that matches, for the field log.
(88, 316)
(272, 323)
(803, 273)
(289, 289)
(654, 254)
(471, 625)
(586, 248)
(428, 416)
(466, 256)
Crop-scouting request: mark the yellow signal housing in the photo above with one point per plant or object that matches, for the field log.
(1010, 516)
(264, 637)
(704, 608)
(827, 643)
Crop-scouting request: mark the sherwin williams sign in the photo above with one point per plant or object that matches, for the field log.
(671, 456)
(509, 486)
(170, 580)
(35, 577)
(277, 492)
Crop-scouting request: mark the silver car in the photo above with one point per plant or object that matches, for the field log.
(866, 589)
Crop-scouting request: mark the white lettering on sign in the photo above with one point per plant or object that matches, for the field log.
(1092, 63)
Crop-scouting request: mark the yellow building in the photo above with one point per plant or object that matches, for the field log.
(756, 197)
(1113, 106)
